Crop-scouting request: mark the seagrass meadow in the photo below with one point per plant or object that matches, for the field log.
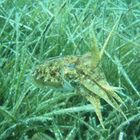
(69, 70)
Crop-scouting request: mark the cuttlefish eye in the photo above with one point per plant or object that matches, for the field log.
(71, 66)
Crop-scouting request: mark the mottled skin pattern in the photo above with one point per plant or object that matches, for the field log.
(72, 69)
(80, 74)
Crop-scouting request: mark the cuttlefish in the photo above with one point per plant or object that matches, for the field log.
(84, 75)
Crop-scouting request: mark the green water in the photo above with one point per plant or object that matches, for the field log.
(32, 32)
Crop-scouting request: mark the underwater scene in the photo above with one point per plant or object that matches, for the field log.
(69, 70)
